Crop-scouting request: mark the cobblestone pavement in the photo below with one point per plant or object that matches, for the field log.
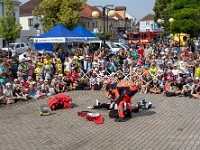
(173, 124)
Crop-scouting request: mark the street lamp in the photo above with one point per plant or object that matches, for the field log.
(111, 13)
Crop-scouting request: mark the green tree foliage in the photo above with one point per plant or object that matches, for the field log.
(186, 17)
(186, 14)
(161, 9)
(9, 27)
(59, 11)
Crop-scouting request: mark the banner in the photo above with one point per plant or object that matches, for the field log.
(49, 40)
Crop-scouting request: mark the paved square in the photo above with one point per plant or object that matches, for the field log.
(173, 124)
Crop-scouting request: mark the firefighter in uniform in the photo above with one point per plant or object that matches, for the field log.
(126, 90)
(111, 94)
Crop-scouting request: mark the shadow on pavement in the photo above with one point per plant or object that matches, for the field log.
(74, 105)
(143, 113)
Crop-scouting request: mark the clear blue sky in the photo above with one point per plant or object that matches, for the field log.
(136, 8)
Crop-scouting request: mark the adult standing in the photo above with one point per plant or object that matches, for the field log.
(13, 51)
(141, 51)
(62, 56)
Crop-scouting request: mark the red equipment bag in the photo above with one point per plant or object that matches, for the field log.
(53, 103)
(59, 102)
(97, 119)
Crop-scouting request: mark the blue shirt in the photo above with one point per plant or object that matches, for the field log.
(62, 56)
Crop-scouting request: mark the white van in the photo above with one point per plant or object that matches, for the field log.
(122, 45)
(114, 48)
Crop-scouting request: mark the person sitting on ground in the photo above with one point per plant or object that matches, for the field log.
(17, 93)
(155, 88)
(8, 93)
(196, 92)
(2, 97)
(187, 88)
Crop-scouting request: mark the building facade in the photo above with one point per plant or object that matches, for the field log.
(147, 24)
(30, 24)
(2, 8)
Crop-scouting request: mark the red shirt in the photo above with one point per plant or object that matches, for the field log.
(141, 52)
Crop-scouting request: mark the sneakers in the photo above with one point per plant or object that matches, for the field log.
(120, 120)
(90, 107)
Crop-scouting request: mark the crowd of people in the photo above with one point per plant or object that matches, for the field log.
(153, 68)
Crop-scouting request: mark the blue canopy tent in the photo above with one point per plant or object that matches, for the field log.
(58, 34)
(84, 32)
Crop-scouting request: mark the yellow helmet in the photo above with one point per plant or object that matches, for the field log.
(65, 71)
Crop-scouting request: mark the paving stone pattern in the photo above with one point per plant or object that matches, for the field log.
(174, 124)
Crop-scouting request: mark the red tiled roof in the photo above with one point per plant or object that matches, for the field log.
(26, 8)
(148, 17)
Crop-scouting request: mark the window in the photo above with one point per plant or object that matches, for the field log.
(147, 30)
(88, 24)
(147, 23)
(96, 24)
(17, 46)
(93, 24)
(30, 21)
(22, 45)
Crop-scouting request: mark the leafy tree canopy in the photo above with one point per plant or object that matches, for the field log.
(9, 27)
(59, 11)
(186, 15)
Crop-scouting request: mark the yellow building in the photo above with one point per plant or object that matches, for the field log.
(182, 36)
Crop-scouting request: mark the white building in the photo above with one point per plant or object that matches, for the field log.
(30, 24)
(2, 8)
(146, 24)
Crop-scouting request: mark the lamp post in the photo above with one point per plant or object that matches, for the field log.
(171, 20)
(111, 13)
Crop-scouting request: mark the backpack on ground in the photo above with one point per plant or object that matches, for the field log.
(114, 113)
(61, 101)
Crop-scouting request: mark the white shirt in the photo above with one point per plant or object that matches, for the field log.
(183, 67)
(175, 72)
(13, 52)
(68, 66)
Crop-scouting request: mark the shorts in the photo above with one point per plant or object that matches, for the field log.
(191, 70)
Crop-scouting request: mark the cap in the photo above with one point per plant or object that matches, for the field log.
(29, 77)
(8, 84)
(26, 84)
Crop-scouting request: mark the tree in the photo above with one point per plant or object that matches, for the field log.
(186, 17)
(9, 27)
(65, 12)
(161, 9)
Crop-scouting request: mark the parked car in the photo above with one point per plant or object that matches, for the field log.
(122, 45)
(114, 48)
(19, 47)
